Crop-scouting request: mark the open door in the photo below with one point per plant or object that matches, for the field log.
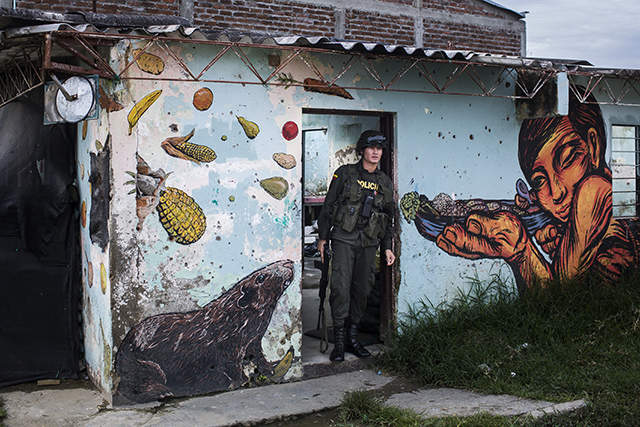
(329, 138)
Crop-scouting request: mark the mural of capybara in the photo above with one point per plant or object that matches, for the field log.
(206, 350)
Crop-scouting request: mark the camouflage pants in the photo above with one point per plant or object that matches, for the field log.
(352, 278)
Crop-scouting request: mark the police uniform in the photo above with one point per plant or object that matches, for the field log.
(355, 230)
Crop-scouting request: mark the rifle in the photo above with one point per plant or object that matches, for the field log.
(322, 292)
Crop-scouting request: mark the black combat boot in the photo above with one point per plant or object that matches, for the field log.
(352, 345)
(337, 354)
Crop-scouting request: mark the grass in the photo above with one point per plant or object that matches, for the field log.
(570, 341)
(3, 412)
(362, 408)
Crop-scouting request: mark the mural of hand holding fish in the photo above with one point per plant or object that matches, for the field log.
(562, 227)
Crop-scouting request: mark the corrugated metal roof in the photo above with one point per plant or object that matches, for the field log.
(15, 41)
(559, 64)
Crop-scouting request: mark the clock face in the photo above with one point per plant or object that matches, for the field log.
(82, 98)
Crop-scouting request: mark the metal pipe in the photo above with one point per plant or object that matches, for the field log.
(62, 89)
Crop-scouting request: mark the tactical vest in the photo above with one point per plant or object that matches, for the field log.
(347, 212)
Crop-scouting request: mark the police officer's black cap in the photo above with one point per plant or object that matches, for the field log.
(371, 138)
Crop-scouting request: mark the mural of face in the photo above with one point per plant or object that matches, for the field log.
(560, 165)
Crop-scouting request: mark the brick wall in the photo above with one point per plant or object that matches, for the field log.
(458, 24)
(443, 35)
(270, 17)
(469, 7)
(149, 7)
(375, 27)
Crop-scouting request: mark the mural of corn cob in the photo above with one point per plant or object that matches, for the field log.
(179, 213)
(181, 148)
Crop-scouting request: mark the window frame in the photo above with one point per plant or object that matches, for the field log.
(629, 209)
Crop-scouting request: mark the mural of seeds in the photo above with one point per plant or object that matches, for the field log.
(148, 62)
(181, 148)
(202, 99)
(141, 107)
(103, 278)
(290, 130)
(250, 128)
(90, 274)
(287, 161)
(83, 214)
(277, 187)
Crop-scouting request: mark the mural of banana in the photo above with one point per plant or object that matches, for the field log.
(282, 367)
(181, 148)
(141, 107)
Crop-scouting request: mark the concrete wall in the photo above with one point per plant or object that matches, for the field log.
(436, 24)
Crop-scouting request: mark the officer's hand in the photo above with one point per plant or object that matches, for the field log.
(321, 244)
(389, 256)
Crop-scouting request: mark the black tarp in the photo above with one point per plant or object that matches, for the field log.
(39, 293)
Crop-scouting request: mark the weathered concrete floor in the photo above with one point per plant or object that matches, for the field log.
(86, 407)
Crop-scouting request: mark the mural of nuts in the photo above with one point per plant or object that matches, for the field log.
(202, 99)
(277, 187)
(147, 62)
(250, 128)
(287, 161)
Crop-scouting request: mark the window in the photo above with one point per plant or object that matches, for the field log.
(625, 164)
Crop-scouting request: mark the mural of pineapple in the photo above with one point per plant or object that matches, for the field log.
(179, 213)
(181, 216)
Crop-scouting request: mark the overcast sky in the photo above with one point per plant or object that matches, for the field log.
(603, 32)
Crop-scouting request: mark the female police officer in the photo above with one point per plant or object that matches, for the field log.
(357, 215)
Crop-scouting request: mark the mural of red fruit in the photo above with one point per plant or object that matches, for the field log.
(202, 99)
(289, 130)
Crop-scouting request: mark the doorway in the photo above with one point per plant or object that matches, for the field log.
(39, 289)
(329, 138)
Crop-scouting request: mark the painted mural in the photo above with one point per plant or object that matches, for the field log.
(561, 227)
(219, 337)
(215, 348)
(314, 85)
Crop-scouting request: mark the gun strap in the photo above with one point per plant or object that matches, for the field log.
(324, 340)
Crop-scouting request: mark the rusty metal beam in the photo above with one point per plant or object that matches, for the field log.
(83, 47)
